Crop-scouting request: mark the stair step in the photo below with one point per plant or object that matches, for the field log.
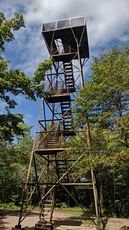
(61, 170)
(46, 210)
(67, 114)
(67, 126)
(69, 75)
(67, 111)
(65, 105)
(60, 167)
(66, 108)
(46, 213)
(67, 65)
(43, 226)
(67, 123)
(69, 83)
(47, 206)
(67, 68)
(67, 120)
(65, 102)
(48, 201)
(50, 142)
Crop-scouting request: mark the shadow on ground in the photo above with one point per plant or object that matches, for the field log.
(2, 222)
(71, 221)
(4, 213)
(67, 222)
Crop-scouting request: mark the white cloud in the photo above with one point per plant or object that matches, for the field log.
(106, 20)
(28, 118)
(19, 99)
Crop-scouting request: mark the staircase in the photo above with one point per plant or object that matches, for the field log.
(69, 78)
(46, 211)
(66, 115)
(61, 168)
(50, 139)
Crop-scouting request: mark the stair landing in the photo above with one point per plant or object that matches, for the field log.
(49, 151)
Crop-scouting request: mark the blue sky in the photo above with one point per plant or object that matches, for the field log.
(107, 25)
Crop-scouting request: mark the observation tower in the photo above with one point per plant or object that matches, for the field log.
(52, 166)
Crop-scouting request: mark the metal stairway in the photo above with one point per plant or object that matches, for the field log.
(46, 211)
(61, 168)
(66, 115)
(50, 139)
(69, 78)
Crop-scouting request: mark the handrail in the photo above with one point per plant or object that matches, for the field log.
(58, 87)
(57, 134)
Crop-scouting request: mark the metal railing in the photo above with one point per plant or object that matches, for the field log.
(58, 88)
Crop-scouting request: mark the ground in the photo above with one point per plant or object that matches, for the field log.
(63, 220)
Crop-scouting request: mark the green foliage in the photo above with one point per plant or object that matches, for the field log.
(14, 161)
(15, 82)
(124, 228)
(38, 78)
(104, 102)
(6, 27)
(105, 97)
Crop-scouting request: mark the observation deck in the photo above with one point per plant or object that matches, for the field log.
(65, 38)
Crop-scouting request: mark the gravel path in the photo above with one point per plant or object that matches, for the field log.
(64, 220)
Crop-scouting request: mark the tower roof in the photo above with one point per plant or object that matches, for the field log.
(65, 23)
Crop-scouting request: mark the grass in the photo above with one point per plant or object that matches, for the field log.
(9, 206)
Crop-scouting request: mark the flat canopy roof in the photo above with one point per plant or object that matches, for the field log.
(65, 23)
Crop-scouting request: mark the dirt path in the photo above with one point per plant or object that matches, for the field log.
(63, 220)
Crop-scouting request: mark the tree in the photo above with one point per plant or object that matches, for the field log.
(15, 82)
(14, 163)
(105, 97)
(6, 27)
(104, 102)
